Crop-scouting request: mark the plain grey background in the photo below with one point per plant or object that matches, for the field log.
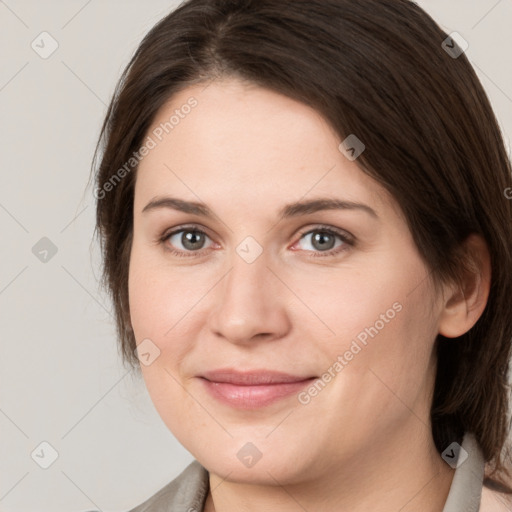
(62, 381)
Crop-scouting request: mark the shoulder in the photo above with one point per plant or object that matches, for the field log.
(186, 492)
(494, 501)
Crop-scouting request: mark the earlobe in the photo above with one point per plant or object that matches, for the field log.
(465, 304)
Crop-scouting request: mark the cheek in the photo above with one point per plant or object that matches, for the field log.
(349, 303)
(377, 369)
(146, 298)
(158, 309)
(157, 295)
(167, 305)
(386, 355)
(380, 319)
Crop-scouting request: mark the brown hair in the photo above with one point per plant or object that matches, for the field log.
(377, 69)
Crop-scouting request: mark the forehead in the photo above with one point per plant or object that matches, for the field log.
(239, 141)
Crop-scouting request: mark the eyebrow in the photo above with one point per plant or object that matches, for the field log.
(295, 209)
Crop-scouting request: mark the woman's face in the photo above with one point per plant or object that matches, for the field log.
(337, 299)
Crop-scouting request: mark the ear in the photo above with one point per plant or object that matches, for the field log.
(463, 306)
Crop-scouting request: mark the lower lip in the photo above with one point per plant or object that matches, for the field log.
(253, 397)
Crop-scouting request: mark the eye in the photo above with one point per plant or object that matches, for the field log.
(186, 239)
(189, 241)
(321, 241)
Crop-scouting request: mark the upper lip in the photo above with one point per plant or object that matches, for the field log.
(251, 377)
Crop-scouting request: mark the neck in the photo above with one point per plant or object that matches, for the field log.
(404, 472)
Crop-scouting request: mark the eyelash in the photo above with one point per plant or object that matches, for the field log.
(347, 240)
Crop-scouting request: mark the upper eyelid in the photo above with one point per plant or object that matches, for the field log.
(335, 230)
(193, 227)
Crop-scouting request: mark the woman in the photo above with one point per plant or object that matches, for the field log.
(305, 227)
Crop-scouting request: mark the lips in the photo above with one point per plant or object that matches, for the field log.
(252, 389)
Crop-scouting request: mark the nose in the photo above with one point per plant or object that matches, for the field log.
(250, 304)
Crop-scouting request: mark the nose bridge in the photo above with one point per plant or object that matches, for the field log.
(248, 281)
(247, 303)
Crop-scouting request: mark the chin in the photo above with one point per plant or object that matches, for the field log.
(271, 467)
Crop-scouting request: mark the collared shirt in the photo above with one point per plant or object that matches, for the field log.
(188, 492)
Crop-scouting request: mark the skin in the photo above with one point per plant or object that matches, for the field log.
(364, 441)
